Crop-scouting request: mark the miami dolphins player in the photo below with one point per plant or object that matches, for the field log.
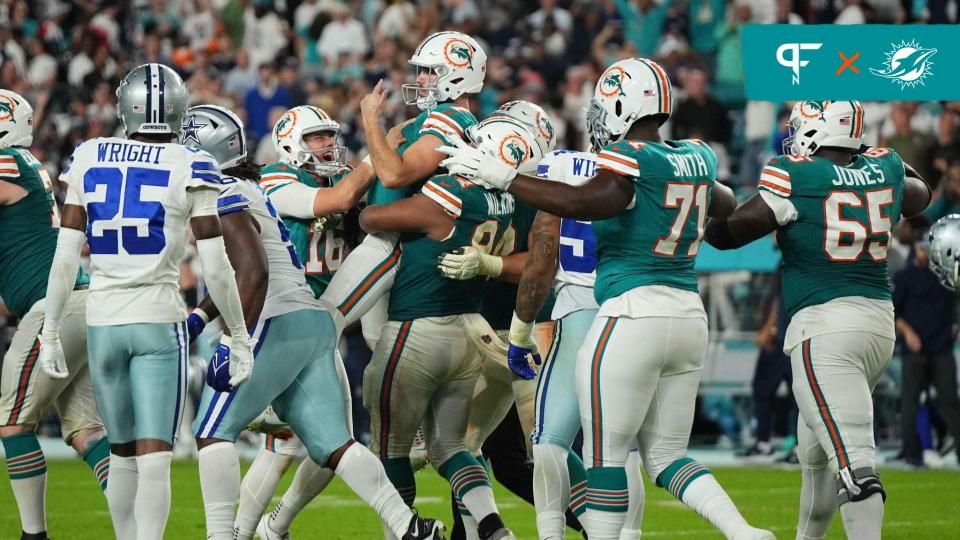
(450, 66)
(649, 202)
(130, 200)
(28, 220)
(498, 389)
(833, 205)
(298, 376)
(562, 256)
(426, 364)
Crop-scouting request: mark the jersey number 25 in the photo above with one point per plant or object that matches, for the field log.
(112, 236)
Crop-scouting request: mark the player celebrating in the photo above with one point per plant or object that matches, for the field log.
(29, 221)
(450, 66)
(426, 365)
(653, 198)
(834, 209)
(135, 312)
(299, 376)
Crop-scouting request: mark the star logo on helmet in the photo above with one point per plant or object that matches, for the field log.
(190, 128)
(612, 82)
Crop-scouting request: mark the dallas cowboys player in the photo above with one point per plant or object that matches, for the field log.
(130, 200)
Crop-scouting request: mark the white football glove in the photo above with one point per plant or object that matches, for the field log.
(474, 164)
(467, 263)
(52, 360)
(241, 359)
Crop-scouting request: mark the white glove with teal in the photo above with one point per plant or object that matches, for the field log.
(473, 163)
(467, 263)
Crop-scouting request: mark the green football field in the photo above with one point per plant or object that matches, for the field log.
(921, 505)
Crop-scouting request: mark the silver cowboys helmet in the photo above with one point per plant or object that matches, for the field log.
(152, 99)
(216, 130)
(944, 250)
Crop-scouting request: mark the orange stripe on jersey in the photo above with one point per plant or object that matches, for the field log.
(9, 171)
(275, 177)
(444, 195)
(771, 172)
(446, 120)
(617, 158)
(774, 187)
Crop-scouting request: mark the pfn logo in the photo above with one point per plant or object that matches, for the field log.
(794, 62)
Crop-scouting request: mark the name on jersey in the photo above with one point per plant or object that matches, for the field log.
(858, 177)
(129, 153)
(499, 205)
(584, 167)
(688, 165)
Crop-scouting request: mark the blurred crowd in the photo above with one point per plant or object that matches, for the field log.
(260, 57)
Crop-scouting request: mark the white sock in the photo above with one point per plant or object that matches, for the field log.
(631, 526)
(479, 501)
(308, 482)
(818, 503)
(345, 291)
(470, 527)
(257, 489)
(363, 472)
(708, 499)
(30, 494)
(220, 485)
(551, 489)
(153, 495)
(863, 519)
(122, 494)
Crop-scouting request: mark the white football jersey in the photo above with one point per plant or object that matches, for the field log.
(287, 288)
(577, 270)
(138, 207)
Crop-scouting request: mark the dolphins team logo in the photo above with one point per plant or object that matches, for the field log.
(285, 124)
(544, 126)
(513, 150)
(611, 82)
(7, 106)
(458, 53)
(813, 109)
(907, 64)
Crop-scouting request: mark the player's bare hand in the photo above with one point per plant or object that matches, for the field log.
(52, 360)
(372, 104)
(395, 136)
(914, 343)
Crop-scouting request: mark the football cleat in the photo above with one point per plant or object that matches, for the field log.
(424, 529)
(502, 533)
(266, 533)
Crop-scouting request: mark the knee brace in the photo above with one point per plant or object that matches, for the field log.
(857, 485)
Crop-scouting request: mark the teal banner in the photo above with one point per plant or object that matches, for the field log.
(870, 62)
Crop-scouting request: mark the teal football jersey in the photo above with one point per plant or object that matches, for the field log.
(836, 244)
(482, 217)
(656, 239)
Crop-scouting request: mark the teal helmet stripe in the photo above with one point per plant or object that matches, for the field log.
(656, 77)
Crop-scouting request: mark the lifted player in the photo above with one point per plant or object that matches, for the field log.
(834, 208)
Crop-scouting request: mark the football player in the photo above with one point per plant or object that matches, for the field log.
(311, 188)
(833, 205)
(297, 376)
(652, 198)
(450, 66)
(426, 364)
(28, 220)
(562, 255)
(130, 200)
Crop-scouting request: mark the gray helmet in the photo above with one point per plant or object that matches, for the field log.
(151, 99)
(216, 130)
(944, 239)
